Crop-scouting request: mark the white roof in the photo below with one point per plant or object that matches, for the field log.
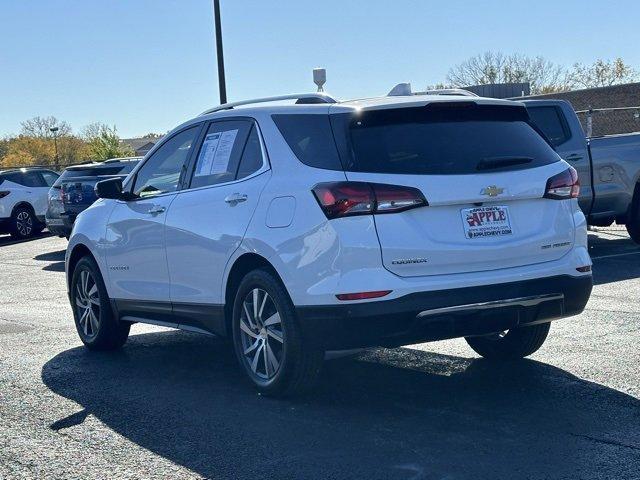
(378, 103)
(267, 106)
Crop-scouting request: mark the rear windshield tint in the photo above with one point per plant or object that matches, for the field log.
(96, 171)
(310, 138)
(441, 139)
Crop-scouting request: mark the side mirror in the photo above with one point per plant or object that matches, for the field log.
(110, 188)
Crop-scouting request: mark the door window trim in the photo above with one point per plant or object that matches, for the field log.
(133, 176)
(266, 164)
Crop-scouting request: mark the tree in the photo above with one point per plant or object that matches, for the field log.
(24, 150)
(602, 73)
(495, 67)
(103, 142)
(40, 127)
(152, 135)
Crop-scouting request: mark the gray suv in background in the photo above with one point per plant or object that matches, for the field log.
(73, 192)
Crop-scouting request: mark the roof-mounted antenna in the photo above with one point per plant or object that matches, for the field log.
(400, 90)
(319, 78)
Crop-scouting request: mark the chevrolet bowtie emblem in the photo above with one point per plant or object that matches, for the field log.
(492, 191)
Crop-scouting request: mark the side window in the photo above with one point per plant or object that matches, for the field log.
(220, 153)
(548, 120)
(32, 179)
(49, 177)
(15, 177)
(251, 160)
(161, 172)
(310, 138)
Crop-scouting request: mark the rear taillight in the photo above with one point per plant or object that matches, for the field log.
(4, 194)
(344, 199)
(563, 185)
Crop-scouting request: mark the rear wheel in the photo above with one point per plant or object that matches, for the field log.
(268, 341)
(510, 344)
(24, 223)
(96, 324)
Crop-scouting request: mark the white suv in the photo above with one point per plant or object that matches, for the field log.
(323, 225)
(23, 200)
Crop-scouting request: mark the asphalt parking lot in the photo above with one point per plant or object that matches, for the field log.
(173, 404)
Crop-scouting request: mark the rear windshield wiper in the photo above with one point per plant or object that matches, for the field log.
(501, 162)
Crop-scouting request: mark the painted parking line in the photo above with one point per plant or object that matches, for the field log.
(615, 255)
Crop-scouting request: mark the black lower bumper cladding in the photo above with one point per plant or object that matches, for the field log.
(438, 315)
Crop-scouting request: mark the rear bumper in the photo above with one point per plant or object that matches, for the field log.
(61, 224)
(452, 313)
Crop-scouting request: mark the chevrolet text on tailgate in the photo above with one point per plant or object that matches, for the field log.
(320, 226)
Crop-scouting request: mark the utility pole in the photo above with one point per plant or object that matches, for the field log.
(54, 130)
(221, 80)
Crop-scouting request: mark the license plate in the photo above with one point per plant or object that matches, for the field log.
(483, 222)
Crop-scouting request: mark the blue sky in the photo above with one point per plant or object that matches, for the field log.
(148, 65)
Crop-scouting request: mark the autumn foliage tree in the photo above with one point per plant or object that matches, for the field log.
(35, 144)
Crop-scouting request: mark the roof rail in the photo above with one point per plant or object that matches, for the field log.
(448, 91)
(300, 97)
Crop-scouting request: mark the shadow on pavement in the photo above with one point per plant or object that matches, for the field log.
(615, 256)
(57, 259)
(389, 414)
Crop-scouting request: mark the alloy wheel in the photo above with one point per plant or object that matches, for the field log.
(261, 334)
(24, 223)
(87, 300)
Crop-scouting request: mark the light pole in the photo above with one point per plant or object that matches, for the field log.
(54, 130)
(221, 80)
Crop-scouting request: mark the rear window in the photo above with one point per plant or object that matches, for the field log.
(310, 138)
(441, 139)
(97, 171)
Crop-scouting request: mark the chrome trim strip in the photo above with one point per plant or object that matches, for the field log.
(508, 302)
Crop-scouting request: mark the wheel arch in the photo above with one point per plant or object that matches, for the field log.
(23, 204)
(241, 266)
(79, 251)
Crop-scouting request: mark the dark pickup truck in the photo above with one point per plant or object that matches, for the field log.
(608, 166)
(73, 192)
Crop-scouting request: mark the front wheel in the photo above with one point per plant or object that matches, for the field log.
(268, 341)
(511, 344)
(95, 321)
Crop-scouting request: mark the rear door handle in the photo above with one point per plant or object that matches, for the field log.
(156, 210)
(573, 158)
(235, 198)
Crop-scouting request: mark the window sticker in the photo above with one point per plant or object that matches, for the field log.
(205, 160)
(223, 152)
(216, 153)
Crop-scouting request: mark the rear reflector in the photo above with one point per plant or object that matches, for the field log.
(586, 268)
(344, 199)
(363, 295)
(563, 185)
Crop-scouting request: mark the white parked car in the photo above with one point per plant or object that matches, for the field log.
(23, 200)
(323, 225)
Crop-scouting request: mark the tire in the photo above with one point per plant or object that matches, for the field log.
(270, 346)
(97, 326)
(510, 345)
(633, 220)
(24, 223)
